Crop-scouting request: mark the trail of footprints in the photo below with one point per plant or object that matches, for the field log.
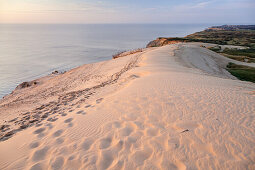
(133, 143)
(40, 149)
(49, 112)
(46, 111)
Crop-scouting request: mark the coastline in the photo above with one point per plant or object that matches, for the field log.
(70, 46)
(145, 110)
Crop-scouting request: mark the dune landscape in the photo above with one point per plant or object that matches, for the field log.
(169, 107)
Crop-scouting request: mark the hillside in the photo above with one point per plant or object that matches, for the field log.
(222, 36)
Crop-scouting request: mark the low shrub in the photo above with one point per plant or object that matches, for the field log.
(242, 72)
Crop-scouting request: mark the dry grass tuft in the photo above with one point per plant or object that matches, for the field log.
(125, 53)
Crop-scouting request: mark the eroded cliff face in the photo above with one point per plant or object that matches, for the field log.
(163, 41)
(222, 35)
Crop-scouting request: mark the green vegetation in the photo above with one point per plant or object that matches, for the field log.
(233, 27)
(241, 52)
(225, 37)
(244, 73)
(236, 35)
(221, 37)
(244, 55)
(240, 58)
(216, 49)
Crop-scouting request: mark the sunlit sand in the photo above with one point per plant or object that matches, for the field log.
(170, 107)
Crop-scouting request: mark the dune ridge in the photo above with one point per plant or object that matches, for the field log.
(170, 107)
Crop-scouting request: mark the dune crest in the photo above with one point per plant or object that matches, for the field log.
(170, 107)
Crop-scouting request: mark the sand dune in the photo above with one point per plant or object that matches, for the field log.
(172, 107)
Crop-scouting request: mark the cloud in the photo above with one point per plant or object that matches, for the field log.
(193, 6)
(121, 11)
(202, 4)
(54, 6)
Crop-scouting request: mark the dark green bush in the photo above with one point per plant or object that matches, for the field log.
(244, 73)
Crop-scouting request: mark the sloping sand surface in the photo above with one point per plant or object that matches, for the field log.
(172, 107)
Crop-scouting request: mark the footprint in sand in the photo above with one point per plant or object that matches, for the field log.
(86, 144)
(71, 158)
(168, 165)
(40, 154)
(58, 163)
(70, 124)
(38, 131)
(126, 131)
(63, 114)
(180, 165)
(68, 120)
(106, 159)
(152, 132)
(40, 135)
(107, 156)
(173, 143)
(91, 160)
(45, 115)
(87, 106)
(34, 145)
(99, 100)
(59, 140)
(49, 125)
(140, 156)
(81, 112)
(57, 133)
(105, 143)
(52, 119)
(117, 124)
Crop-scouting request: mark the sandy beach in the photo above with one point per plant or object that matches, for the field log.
(170, 107)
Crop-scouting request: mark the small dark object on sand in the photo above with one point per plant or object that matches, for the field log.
(23, 126)
(55, 72)
(9, 134)
(2, 127)
(185, 131)
(32, 121)
(26, 84)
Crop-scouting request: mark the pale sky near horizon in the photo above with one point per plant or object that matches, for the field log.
(128, 11)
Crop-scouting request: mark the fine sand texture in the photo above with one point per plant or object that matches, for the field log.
(171, 107)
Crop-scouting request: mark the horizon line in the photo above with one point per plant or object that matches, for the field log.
(135, 23)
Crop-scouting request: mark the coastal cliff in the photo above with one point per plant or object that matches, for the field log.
(164, 41)
(222, 35)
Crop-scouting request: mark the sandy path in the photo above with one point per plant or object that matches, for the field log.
(167, 111)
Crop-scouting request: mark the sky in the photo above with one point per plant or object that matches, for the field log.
(128, 11)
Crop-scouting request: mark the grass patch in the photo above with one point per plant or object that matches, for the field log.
(226, 37)
(244, 55)
(216, 49)
(221, 37)
(240, 58)
(240, 52)
(244, 73)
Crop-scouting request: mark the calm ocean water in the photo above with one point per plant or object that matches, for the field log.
(30, 51)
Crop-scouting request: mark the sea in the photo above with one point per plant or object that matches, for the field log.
(29, 51)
